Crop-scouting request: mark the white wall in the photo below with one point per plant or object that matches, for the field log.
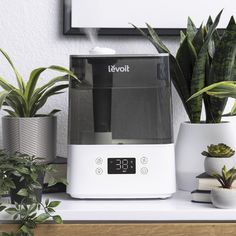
(31, 33)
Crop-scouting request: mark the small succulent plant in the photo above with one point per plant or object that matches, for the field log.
(226, 178)
(219, 150)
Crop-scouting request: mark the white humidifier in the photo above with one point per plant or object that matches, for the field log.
(120, 128)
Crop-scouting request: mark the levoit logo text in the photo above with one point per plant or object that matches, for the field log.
(121, 69)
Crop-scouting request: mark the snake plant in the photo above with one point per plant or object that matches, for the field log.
(203, 58)
(26, 99)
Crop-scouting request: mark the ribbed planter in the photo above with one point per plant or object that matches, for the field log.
(32, 136)
(191, 141)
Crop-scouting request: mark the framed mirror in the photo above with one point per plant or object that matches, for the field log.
(167, 17)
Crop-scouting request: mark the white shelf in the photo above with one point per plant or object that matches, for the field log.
(177, 208)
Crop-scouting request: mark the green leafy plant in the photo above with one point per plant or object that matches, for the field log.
(26, 99)
(203, 58)
(26, 169)
(30, 216)
(219, 150)
(30, 211)
(226, 178)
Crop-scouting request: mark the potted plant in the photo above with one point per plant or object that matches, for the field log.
(225, 195)
(22, 176)
(25, 130)
(218, 156)
(204, 57)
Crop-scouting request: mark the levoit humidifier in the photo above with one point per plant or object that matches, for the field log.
(120, 128)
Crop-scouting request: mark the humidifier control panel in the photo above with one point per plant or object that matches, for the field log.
(121, 171)
(121, 165)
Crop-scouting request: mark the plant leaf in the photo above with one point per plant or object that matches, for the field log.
(57, 219)
(156, 39)
(220, 89)
(182, 36)
(186, 50)
(11, 210)
(191, 29)
(34, 76)
(53, 112)
(198, 77)
(3, 96)
(198, 40)
(18, 76)
(221, 69)
(10, 112)
(23, 192)
(42, 218)
(54, 204)
(51, 92)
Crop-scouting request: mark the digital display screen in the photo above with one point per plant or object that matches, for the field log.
(121, 166)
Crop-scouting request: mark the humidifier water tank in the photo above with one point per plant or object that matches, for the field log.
(120, 127)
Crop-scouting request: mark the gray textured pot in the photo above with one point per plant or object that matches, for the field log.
(32, 136)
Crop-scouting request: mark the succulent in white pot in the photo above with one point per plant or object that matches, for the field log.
(224, 196)
(217, 156)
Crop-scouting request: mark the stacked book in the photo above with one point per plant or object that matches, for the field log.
(205, 184)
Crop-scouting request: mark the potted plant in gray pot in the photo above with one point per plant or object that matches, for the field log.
(225, 195)
(218, 156)
(25, 130)
(204, 57)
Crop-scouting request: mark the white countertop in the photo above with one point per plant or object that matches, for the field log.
(177, 208)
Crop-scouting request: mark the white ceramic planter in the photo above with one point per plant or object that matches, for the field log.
(191, 141)
(212, 164)
(32, 136)
(223, 198)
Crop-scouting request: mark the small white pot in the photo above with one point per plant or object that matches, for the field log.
(223, 197)
(213, 164)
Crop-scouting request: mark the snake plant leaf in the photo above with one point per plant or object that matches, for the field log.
(222, 66)
(159, 46)
(198, 77)
(143, 33)
(191, 29)
(186, 50)
(198, 39)
(182, 36)
(175, 70)
(3, 96)
(18, 76)
(180, 83)
(156, 39)
(214, 41)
